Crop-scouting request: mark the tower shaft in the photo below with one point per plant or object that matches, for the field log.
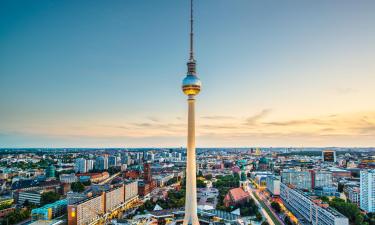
(191, 216)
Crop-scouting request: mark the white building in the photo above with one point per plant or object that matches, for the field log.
(322, 179)
(90, 164)
(353, 194)
(80, 165)
(299, 179)
(312, 211)
(273, 185)
(367, 186)
(68, 178)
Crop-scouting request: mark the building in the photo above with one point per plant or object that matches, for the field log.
(114, 197)
(299, 179)
(68, 178)
(87, 210)
(329, 156)
(80, 165)
(236, 197)
(147, 184)
(112, 161)
(353, 194)
(273, 185)
(309, 210)
(50, 211)
(367, 190)
(90, 164)
(101, 163)
(50, 171)
(162, 179)
(30, 196)
(94, 177)
(90, 210)
(321, 179)
(131, 189)
(327, 191)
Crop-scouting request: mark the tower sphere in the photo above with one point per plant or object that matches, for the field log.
(191, 85)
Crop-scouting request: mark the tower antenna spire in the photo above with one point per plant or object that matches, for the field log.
(191, 63)
(191, 32)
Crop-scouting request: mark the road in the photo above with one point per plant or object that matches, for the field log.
(263, 198)
(109, 178)
(264, 212)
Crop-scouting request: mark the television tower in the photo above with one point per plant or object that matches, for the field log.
(191, 86)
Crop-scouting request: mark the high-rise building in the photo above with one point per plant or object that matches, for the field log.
(90, 164)
(191, 86)
(354, 194)
(367, 192)
(80, 165)
(101, 163)
(329, 156)
(112, 161)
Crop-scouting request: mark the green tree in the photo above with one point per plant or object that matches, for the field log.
(87, 183)
(276, 206)
(201, 183)
(265, 223)
(258, 216)
(349, 210)
(324, 199)
(208, 177)
(49, 197)
(77, 187)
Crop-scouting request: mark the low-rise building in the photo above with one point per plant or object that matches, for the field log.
(236, 197)
(68, 178)
(50, 211)
(309, 210)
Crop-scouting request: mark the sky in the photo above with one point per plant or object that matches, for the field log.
(108, 73)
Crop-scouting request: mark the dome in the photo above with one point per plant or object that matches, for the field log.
(191, 85)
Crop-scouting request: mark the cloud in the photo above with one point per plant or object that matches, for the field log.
(297, 122)
(153, 119)
(255, 118)
(345, 91)
(217, 117)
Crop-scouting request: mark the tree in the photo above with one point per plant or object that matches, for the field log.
(340, 187)
(349, 210)
(208, 177)
(265, 223)
(87, 183)
(288, 221)
(258, 216)
(324, 199)
(49, 197)
(276, 206)
(77, 187)
(200, 184)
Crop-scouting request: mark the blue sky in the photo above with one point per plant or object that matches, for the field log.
(108, 73)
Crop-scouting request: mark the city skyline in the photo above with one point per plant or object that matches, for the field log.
(89, 75)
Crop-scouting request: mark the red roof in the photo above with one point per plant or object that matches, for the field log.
(238, 194)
